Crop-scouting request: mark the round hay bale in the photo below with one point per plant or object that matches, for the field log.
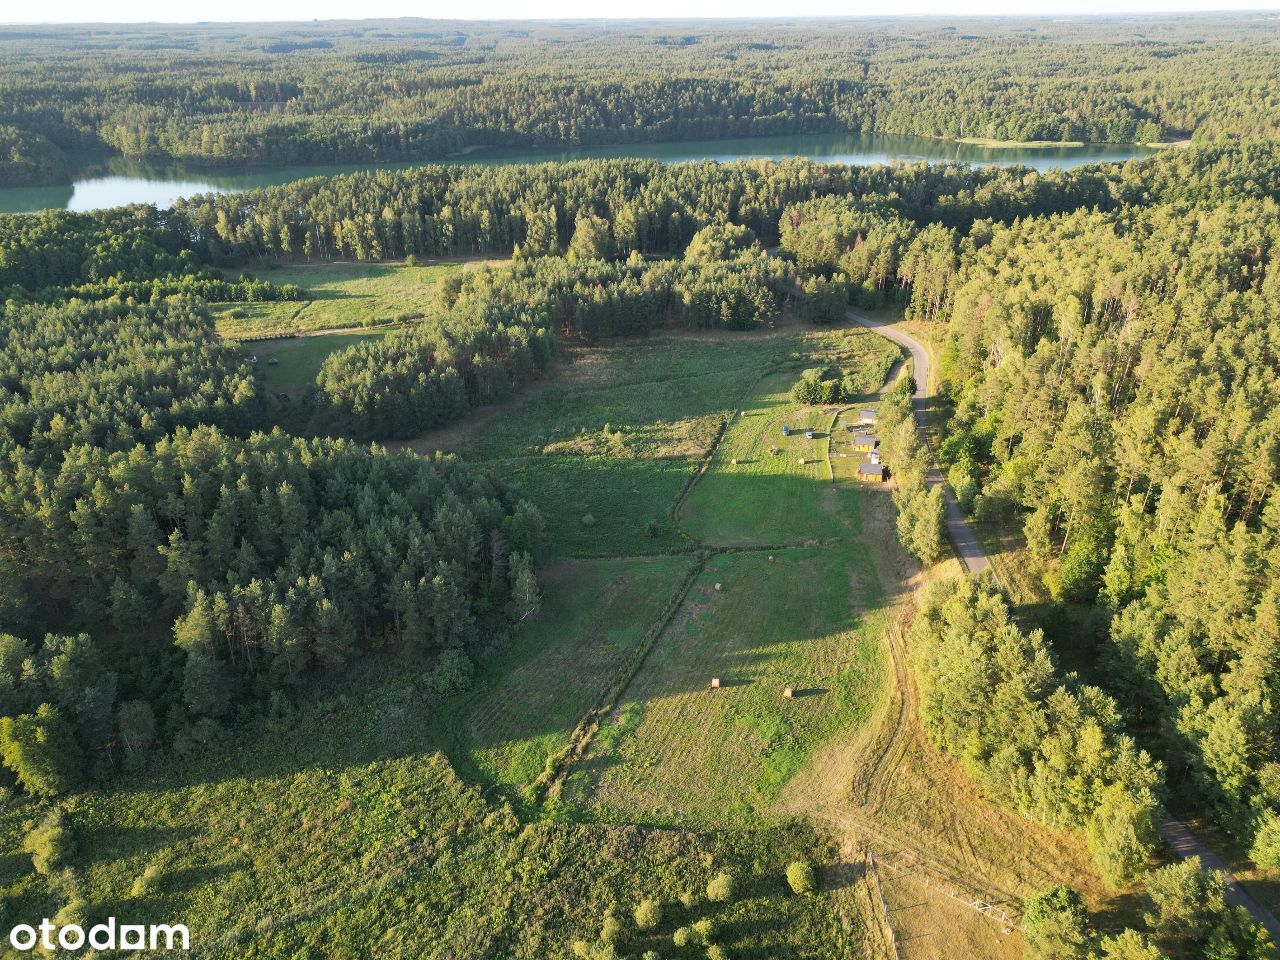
(719, 587)
(734, 461)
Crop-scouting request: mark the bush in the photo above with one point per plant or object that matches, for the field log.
(50, 844)
(721, 887)
(682, 937)
(648, 914)
(800, 875)
(704, 931)
(611, 929)
(1265, 851)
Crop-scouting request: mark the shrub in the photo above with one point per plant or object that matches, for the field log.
(1055, 924)
(682, 937)
(721, 887)
(611, 929)
(704, 931)
(800, 876)
(50, 843)
(1265, 851)
(648, 914)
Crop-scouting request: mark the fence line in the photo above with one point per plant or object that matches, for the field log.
(874, 874)
(988, 910)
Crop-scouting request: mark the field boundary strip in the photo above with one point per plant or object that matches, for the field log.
(552, 779)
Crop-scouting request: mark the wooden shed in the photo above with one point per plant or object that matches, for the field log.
(869, 472)
(865, 440)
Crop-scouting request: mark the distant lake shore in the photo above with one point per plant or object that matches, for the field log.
(116, 181)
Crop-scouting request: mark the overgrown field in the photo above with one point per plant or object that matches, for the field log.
(341, 832)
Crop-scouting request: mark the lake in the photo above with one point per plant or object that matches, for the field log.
(117, 181)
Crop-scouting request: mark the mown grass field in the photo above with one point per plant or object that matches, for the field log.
(337, 295)
(680, 752)
(524, 704)
(757, 491)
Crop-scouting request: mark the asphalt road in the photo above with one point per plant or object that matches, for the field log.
(1176, 834)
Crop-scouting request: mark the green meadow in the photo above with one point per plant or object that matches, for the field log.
(336, 296)
(586, 765)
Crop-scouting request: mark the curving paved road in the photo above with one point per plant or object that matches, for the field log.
(968, 549)
(1176, 834)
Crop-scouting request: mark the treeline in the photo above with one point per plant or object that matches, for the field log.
(214, 572)
(493, 330)
(1116, 381)
(137, 253)
(167, 571)
(382, 92)
(1039, 743)
(820, 210)
(28, 158)
(1185, 914)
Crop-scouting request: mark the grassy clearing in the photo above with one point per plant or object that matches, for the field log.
(524, 703)
(300, 359)
(598, 506)
(338, 295)
(677, 751)
(753, 496)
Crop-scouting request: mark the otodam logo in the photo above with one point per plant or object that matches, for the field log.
(108, 935)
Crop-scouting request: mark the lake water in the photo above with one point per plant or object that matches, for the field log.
(117, 181)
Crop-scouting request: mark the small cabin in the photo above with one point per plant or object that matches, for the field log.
(866, 417)
(869, 472)
(865, 440)
(715, 683)
(874, 456)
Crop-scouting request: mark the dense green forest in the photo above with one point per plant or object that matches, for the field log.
(420, 90)
(174, 565)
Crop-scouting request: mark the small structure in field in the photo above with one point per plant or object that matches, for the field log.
(719, 587)
(808, 434)
(865, 440)
(866, 417)
(874, 456)
(869, 472)
(771, 558)
(715, 683)
(802, 461)
(788, 693)
(786, 430)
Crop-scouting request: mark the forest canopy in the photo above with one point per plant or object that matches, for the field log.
(422, 90)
